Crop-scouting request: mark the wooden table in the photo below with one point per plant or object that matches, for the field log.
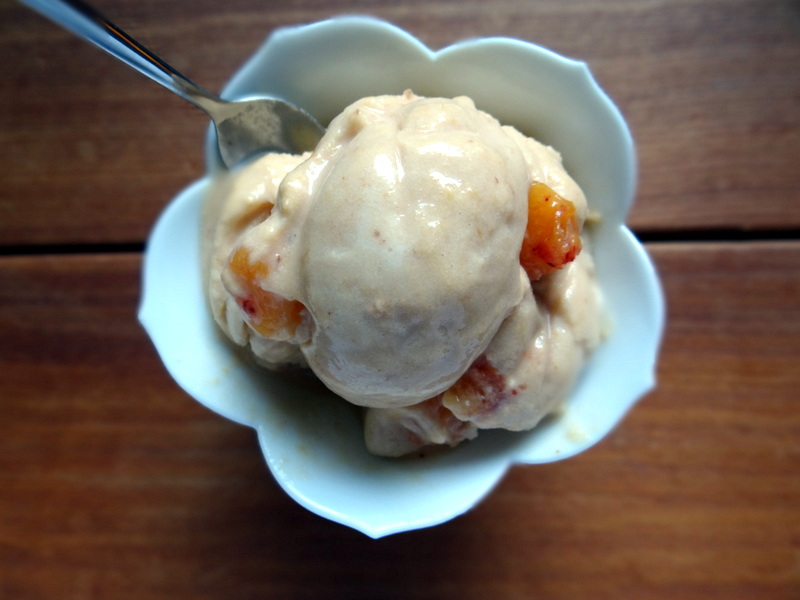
(115, 484)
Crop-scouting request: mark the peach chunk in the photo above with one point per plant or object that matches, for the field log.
(269, 314)
(478, 391)
(552, 236)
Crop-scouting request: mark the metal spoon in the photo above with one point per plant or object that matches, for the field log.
(244, 128)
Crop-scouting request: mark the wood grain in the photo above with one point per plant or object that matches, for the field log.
(91, 151)
(115, 484)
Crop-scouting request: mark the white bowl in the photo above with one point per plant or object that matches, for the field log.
(313, 441)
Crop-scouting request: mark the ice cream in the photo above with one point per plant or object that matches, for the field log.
(424, 262)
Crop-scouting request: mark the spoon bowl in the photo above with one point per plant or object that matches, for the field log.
(249, 127)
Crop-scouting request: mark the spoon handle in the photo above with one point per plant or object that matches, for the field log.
(86, 22)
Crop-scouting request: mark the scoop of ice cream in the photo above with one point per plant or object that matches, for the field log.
(424, 261)
(400, 237)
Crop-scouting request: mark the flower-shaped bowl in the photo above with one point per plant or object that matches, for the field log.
(312, 441)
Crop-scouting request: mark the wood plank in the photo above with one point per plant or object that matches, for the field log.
(115, 484)
(91, 151)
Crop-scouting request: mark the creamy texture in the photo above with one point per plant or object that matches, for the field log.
(238, 202)
(395, 246)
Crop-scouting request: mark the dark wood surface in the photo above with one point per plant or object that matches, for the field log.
(115, 484)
